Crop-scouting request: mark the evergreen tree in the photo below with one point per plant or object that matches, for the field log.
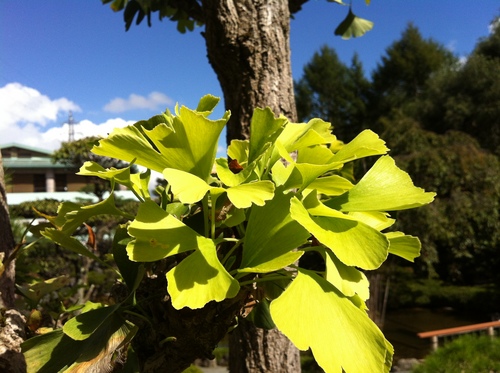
(405, 69)
(331, 90)
(467, 98)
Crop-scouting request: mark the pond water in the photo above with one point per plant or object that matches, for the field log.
(401, 328)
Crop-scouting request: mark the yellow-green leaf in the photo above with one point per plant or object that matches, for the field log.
(407, 247)
(312, 313)
(82, 326)
(159, 235)
(271, 234)
(385, 187)
(366, 144)
(352, 241)
(274, 264)
(129, 144)
(199, 279)
(333, 185)
(353, 26)
(244, 195)
(186, 187)
(265, 129)
(348, 280)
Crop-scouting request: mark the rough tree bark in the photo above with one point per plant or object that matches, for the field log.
(248, 47)
(11, 321)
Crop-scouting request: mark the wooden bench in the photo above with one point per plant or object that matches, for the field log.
(435, 334)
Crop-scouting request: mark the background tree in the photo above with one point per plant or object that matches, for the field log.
(441, 124)
(248, 47)
(401, 75)
(467, 97)
(331, 90)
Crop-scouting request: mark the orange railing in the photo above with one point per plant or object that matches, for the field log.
(435, 334)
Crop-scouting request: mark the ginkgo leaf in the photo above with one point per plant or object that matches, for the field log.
(281, 173)
(271, 234)
(159, 235)
(274, 264)
(353, 26)
(85, 324)
(341, 335)
(317, 155)
(186, 142)
(300, 135)
(207, 104)
(57, 352)
(228, 177)
(193, 144)
(407, 247)
(186, 187)
(385, 187)
(130, 144)
(353, 242)
(77, 217)
(72, 215)
(310, 172)
(238, 149)
(59, 220)
(130, 271)
(38, 290)
(265, 129)
(244, 195)
(348, 280)
(138, 182)
(261, 316)
(332, 185)
(199, 279)
(375, 219)
(71, 243)
(366, 144)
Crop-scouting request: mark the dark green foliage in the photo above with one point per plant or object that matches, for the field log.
(331, 90)
(467, 99)
(187, 13)
(468, 354)
(309, 364)
(490, 47)
(405, 69)
(441, 121)
(25, 209)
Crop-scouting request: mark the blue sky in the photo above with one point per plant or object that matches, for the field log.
(61, 55)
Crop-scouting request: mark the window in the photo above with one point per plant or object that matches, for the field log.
(39, 184)
(61, 183)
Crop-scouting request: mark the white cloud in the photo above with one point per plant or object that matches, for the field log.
(25, 112)
(21, 104)
(452, 46)
(52, 138)
(153, 101)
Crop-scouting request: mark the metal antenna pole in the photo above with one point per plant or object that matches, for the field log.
(71, 127)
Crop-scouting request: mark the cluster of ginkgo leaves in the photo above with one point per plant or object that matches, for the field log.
(286, 191)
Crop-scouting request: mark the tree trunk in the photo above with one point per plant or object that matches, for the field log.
(11, 321)
(248, 46)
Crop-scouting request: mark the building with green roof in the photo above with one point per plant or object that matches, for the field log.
(33, 176)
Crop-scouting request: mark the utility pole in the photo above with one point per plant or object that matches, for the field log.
(71, 127)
